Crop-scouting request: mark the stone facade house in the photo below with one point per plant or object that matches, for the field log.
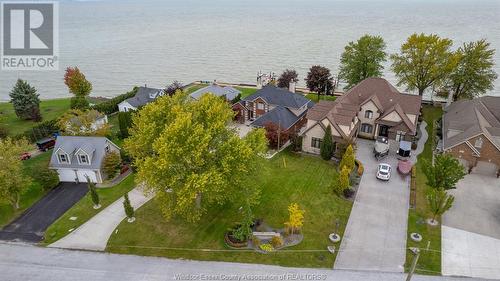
(471, 133)
(370, 109)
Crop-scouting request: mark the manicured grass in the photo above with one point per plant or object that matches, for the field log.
(83, 210)
(286, 178)
(245, 92)
(50, 109)
(32, 194)
(195, 88)
(429, 261)
(314, 97)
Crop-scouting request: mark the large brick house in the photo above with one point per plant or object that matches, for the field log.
(471, 133)
(370, 109)
(273, 105)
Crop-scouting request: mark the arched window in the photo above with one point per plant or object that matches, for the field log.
(366, 128)
(369, 114)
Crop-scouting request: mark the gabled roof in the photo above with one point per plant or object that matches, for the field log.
(280, 116)
(471, 118)
(95, 147)
(229, 92)
(144, 96)
(278, 96)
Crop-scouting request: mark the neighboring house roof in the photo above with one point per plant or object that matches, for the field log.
(466, 119)
(144, 96)
(386, 98)
(280, 116)
(278, 96)
(229, 92)
(94, 147)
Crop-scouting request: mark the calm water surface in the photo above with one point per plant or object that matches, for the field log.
(119, 44)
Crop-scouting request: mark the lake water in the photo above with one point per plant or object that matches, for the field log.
(118, 44)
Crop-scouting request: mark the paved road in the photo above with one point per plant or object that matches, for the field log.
(20, 263)
(31, 225)
(95, 233)
(375, 236)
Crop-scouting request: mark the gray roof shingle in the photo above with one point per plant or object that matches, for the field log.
(277, 96)
(95, 147)
(280, 116)
(144, 96)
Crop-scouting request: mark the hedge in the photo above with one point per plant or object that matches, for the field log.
(41, 130)
(111, 105)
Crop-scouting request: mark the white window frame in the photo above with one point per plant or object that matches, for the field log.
(369, 126)
(369, 114)
(60, 158)
(260, 106)
(83, 157)
(316, 140)
(479, 143)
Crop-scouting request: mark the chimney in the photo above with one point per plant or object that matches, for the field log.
(259, 80)
(291, 86)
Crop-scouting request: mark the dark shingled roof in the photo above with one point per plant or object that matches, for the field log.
(469, 118)
(143, 96)
(277, 96)
(279, 116)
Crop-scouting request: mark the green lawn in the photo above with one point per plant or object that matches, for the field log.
(32, 194)
(429, 261)
(245, 92)
(50, 109)
(314, 97)
(305, 180)
(83, 210)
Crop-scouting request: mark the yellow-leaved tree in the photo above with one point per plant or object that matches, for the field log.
(186, 153)
(296, 218)
(13, 181)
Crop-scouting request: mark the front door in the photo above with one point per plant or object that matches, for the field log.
(400, 135)
(383, 131)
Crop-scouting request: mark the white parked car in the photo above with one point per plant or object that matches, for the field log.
(384, 172)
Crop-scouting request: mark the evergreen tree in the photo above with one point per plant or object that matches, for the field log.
(326, 148)
(348, 159)
(25, 101)
(111, 164)
(93, 193)
(129, 210)
(125, 122)
(343, 182)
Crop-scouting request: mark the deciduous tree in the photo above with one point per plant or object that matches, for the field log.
(296, 218)
(439, 201)
(289, 75)
(275, 135)
(444, 173)
(326, 148)
(474, 74)
(424, 61)
(77, 122)
(13, 181)
(185, 152)
(173, 88)
(76, 82)
(319, 80)
(25, 101)
(362, 59)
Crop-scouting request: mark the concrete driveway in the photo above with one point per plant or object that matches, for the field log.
(31, 225)
(375, 237)
(471, 229)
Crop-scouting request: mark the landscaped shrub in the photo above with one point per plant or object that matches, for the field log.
(47, 178)
(361, 169)
(111, 164)
(255, 241)
(277, 241)
(79, 103)
(326, 148)
(348, 192)
(266, 247)
(111, 105)
(236, 99)
(129, 210)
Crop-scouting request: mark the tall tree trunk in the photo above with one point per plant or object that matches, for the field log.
(198, 201)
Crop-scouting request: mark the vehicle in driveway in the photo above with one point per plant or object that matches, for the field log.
(384, 172)
(45, 144)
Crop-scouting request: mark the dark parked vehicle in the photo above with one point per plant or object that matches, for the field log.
(46, 144)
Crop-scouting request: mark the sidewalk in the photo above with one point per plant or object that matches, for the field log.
(95, 233)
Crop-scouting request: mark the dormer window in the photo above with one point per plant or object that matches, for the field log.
(63, 158)
(83, 159)
(369, 114)
(479, 143)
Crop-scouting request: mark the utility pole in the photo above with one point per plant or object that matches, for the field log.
(413, 264)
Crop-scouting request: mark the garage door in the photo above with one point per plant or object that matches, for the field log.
(485, 168)
(66, 175)
(82, 175)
